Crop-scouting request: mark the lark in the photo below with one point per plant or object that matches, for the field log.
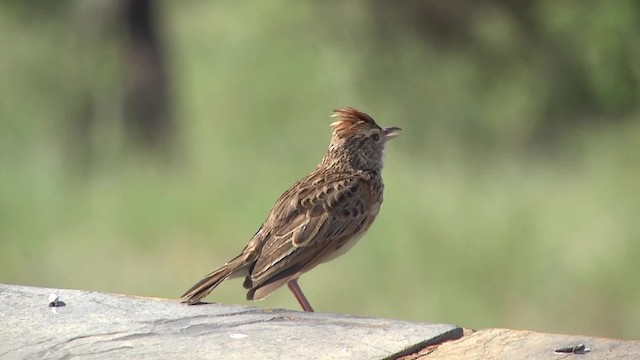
(318, 218)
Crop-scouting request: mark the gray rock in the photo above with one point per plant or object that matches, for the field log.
(92, 325)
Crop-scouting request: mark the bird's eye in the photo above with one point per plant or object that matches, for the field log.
(375, 137)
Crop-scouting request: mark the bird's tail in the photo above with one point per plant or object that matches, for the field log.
(198, 291)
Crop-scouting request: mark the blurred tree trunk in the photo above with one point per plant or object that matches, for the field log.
(147, 109)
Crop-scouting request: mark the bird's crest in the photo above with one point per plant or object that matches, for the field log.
(349, 120)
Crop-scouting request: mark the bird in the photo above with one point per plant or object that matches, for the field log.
(319, 218)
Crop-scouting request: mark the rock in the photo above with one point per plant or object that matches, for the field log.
(91, 325)
(520, 344)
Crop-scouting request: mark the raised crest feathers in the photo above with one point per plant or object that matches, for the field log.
(350, 118)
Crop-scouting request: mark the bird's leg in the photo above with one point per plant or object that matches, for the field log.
(297, 292)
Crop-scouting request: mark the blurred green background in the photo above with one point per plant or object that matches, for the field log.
(143, 143)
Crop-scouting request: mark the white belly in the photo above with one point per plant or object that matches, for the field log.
(344, 248)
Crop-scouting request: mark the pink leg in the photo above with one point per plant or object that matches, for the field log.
(297, 292)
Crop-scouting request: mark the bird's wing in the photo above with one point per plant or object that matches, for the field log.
(306, 220)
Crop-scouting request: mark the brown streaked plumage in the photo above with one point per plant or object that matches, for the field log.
(317, 219)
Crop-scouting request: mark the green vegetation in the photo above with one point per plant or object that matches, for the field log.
(511, 197)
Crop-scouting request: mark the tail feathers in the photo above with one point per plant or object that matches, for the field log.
(209, 282)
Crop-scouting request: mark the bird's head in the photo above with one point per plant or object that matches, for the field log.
(358, 139)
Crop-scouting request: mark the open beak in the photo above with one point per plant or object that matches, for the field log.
(391, 132)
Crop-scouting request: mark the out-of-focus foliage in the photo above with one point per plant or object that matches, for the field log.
(511, 195)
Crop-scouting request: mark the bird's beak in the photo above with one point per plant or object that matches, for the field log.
(391, 132)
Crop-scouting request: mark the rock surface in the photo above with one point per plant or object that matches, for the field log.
(508, 344)
(91, 325)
